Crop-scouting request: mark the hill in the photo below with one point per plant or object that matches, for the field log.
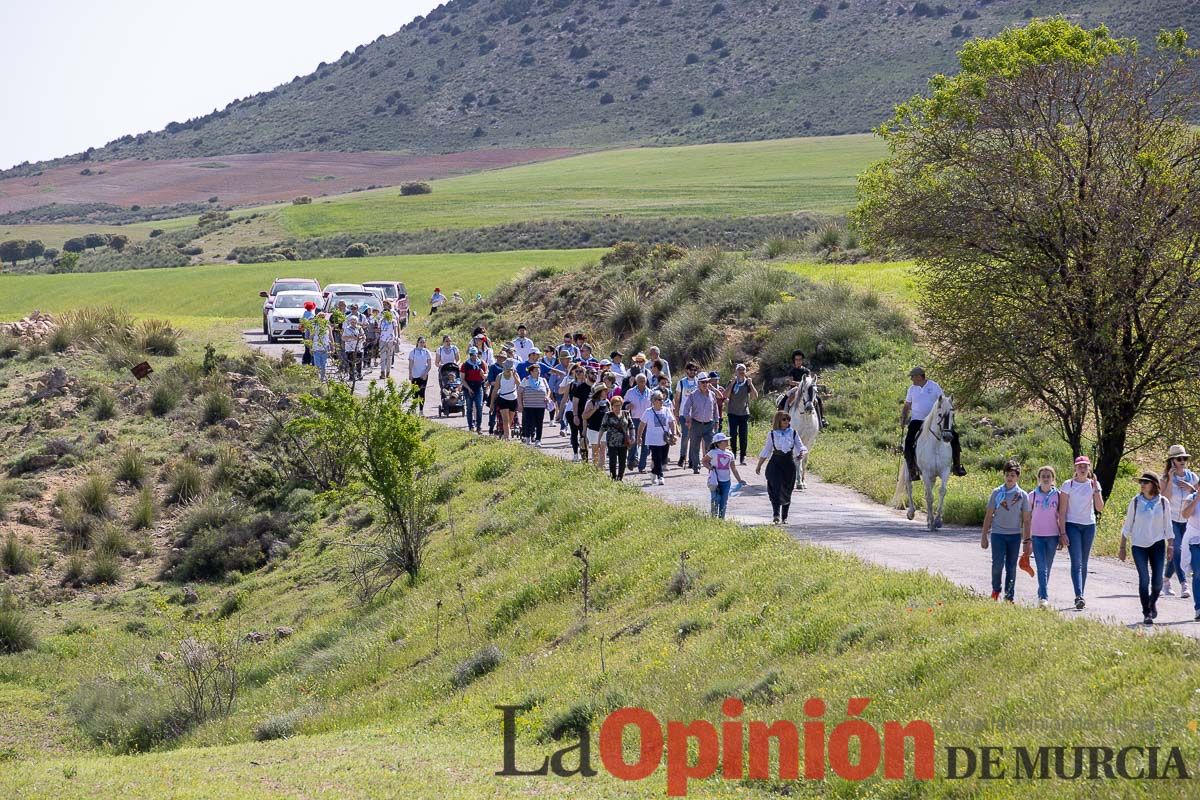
(478, 74)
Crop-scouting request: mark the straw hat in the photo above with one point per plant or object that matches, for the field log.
(1177, 451)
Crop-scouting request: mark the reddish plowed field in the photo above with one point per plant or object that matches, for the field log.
(245, 179)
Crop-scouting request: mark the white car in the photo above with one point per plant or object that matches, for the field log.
(284, 285)
(335, 288)
(284, 319)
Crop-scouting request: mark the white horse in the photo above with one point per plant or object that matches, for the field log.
(802, 406)
(934, 459)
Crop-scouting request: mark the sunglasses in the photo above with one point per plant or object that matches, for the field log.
(1181, 458)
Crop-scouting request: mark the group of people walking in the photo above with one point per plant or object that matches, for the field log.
(356, 338)
(1160, 529)
(623, 416)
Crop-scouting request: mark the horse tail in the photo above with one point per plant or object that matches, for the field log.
(900, 498)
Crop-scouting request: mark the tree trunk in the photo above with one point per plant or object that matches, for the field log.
(1111, 432)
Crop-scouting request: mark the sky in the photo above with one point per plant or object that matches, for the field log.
(84, 72)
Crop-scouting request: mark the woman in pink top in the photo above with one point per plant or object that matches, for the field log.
(1048, 527)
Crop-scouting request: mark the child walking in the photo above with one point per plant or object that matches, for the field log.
(720, 463)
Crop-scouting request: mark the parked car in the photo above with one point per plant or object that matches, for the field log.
(394, 291)
(284, 319)
(359, 298)
(284, 285)
(342, 287)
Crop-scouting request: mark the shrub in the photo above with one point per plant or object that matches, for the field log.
(75, 568)
(475, 667)
(94, 493)
(626, 312)
(415, 187)
(158, 338)
(830, 237)
(697, 110)
(225, 469)
(16, 630)
(692, 58)
(186, 482)
(279, 726)
(126, 716)
(164, 398)
(106, 568)
(357, 250)
(142, 516)
(15, 558)
(690, 335)
(60, 339)
(104, 404)
(606, 99)
(302, 200)
(9, 346)
(154, 234)
(230, 605)
(241, 545)
(112, 540)
(77, 524)
(131, 467)
(217, 406)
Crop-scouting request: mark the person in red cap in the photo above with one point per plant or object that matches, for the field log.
(310, 313)
(437, 300)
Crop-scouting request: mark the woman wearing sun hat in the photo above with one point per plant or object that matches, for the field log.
(1147, 528)
(1084, 500)
(1176, 482)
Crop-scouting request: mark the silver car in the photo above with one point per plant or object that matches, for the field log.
(284, 318)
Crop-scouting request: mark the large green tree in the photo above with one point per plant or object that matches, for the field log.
(1051, 195)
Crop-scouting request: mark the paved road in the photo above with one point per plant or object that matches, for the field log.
(835, 516)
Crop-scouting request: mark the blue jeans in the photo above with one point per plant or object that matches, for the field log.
(474, 398)
(320, 359)
(1079, 546)
(720, 498)
(1196, 576)
(1175, 568)
(1006, 548)
(1044, 548)
(1149, 562)
(683, 439)
(632, 458)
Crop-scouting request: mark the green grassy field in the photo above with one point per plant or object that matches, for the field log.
(773, 177)
(230, 291)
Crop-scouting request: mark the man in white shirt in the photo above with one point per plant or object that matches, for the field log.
(522, 345)
(918, 403)
(616, 367)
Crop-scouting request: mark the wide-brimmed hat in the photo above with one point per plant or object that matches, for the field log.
(1177, 451)
(639, 357)
(1150, 477)
(720, 437)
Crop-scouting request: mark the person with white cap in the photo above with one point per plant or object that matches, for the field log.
(522, 345)
(719, 462)
(1147, 529)
(534, 356)
(1084, 500)
(1177, 481)
(474, 375)
(504, 397)
(922, 396)
(699, 413)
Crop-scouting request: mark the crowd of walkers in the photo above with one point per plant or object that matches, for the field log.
(627, 417)
(1161, 529)
(624, 416)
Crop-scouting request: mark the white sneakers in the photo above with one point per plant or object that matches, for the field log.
(1167, 589)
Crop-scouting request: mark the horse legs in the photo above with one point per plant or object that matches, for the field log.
(803, 470)
(929, 508)
(937, 522)
(912, 507)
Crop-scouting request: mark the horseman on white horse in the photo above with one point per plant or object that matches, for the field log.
(803, 403)
(930, 444)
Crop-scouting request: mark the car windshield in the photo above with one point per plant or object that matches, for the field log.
(342, 287)
(389, 289)
(293, 286)
(295, 300)
(357, 299)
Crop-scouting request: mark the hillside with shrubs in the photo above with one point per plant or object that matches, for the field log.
(519, 73)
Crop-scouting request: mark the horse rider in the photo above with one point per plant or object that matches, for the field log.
(918, 404)
(796, 376)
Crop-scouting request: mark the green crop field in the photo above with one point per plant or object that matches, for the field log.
(743, 179)
(53, 235)
(230, 291)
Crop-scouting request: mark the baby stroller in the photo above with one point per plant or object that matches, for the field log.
(450, 382)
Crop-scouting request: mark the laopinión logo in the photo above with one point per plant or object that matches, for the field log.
(739, 749)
